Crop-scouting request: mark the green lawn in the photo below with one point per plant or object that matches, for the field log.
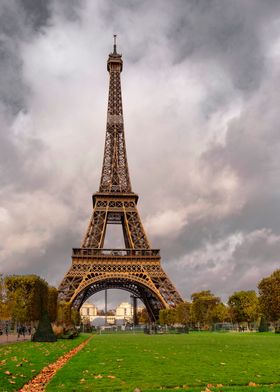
(181, 362)
(20, 362)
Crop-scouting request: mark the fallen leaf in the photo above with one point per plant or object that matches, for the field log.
(111, 376)
(7, 372)
(252, 384)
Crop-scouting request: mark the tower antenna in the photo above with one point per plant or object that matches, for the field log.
(115, 43)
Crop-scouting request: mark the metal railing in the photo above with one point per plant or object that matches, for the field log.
(84, 252)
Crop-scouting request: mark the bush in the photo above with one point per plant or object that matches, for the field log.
(58, 329)
(70, 334)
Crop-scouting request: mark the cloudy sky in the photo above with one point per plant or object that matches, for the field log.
(201, 102)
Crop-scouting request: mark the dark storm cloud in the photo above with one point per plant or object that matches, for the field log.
(229, 33)
(18, 20)
(37, 12)
(11, 30)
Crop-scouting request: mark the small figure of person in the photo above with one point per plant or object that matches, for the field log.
(18, 331)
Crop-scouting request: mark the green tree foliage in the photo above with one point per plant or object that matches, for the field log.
(28, 295)
(220, 313)
(167, 316)
(5, 304)
(183, 313)
(203, 305)
(75, 316)
(2, 286)
(263, 327)
(52, 303)
(244, 306)
(64, 313)
(269, 290)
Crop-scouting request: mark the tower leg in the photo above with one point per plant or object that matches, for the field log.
(106, 305)
(135, 318)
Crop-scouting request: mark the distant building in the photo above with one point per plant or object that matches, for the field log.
(124, 312)
(88, 312)
(123, 315)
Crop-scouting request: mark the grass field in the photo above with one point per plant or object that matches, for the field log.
(181, 362)
(20, 362)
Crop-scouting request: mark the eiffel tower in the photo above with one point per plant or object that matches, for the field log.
(137, 268)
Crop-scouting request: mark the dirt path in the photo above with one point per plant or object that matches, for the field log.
(39, 382)
(13, 338)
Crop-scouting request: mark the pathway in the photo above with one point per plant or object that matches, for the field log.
(13, 338)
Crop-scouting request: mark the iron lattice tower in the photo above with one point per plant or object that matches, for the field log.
(136, 268)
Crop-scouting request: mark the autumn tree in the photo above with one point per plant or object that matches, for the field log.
(28, 295)
(269, 290)
(167, 316)
(5, 303)
(183, 313)
(203, 304)
(220, 313)
(52, 303)
(2, 286)
(143, 316)
(244, 306)
(75, 316)
(64, 313)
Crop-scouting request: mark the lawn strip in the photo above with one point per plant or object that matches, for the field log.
(165, 362)
(38, 383)
(20, 362)
(244, 388)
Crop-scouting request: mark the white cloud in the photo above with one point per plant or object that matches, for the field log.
(166, 223)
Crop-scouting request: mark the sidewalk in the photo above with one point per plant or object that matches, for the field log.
(13, 338)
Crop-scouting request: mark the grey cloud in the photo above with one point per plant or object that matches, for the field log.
(8, 158)
(18, 159)
(37, 12)
(231, 34)
(18, 21)
(228, 270)
(12, 87)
